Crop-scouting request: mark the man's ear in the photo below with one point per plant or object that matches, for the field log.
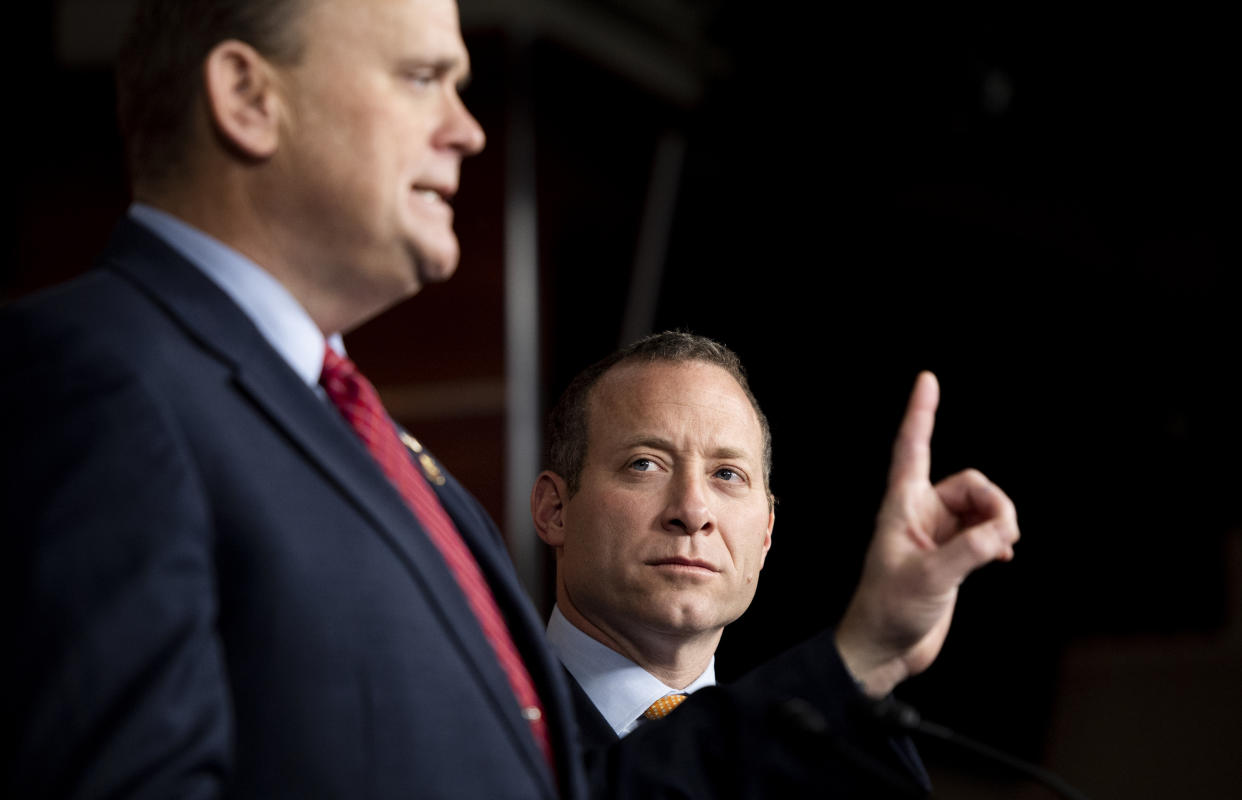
(767, 538)
(547, 507)
(242, 99)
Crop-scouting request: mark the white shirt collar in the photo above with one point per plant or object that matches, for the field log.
(618, 687)
(268, 304)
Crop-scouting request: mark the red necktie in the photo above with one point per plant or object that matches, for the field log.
(359, 403)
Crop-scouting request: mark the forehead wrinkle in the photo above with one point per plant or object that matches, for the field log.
(702, 416)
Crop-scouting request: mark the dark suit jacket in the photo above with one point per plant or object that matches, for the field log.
(593, 730)
(213, 590)
(795, 727)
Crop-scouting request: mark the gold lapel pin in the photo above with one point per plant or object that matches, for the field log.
(430, 469)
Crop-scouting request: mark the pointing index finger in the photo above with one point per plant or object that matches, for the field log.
(912, 449)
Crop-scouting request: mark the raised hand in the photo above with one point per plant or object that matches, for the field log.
(927, 540)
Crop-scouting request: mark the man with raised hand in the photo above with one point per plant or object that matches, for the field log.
(226, 575)
(656, 501)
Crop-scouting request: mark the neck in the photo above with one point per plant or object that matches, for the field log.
(675, 659)
(228, 213)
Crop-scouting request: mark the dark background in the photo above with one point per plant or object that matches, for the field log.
(1040, 207)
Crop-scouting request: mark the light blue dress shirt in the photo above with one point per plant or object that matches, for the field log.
(268, 304)
(618, 687)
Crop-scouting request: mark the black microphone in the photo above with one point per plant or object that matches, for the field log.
(859, 773)
(895, 715)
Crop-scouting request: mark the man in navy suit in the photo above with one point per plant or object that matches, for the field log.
(214, 587)
(657, 503)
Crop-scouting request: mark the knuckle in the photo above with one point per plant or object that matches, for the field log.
(974, 476)
(981, 542)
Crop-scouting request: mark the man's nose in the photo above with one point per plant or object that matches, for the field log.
(688, 509)
(462, 131)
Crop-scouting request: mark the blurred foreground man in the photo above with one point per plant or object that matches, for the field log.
(226, 575)
(657, 503)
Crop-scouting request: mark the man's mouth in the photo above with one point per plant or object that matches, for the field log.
(687, 563)
(435, 195)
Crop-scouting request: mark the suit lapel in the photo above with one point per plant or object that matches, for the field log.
(219, 326)
(526, 628)
(595, 731)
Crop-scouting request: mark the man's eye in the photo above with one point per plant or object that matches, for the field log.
(421, 78)
(642, 464)
(726, 474)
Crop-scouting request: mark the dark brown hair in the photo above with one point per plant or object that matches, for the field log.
(159, 71)
(568, 423)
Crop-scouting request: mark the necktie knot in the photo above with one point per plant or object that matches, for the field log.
(342, 381)
(336, 365)
(664, 706)
(359, 403)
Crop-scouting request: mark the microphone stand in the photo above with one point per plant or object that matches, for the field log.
(894, 714)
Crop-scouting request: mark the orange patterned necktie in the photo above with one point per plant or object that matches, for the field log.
(359, 403)
(664, 706)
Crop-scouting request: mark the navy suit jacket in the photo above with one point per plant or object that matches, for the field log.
(796, 727)
(212, 589)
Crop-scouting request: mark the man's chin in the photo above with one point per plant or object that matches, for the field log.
(436, 264)
(684, 619)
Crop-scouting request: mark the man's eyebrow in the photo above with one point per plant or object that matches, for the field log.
(442, 66)
(729, 453)
(654, 442)
(660, 443)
